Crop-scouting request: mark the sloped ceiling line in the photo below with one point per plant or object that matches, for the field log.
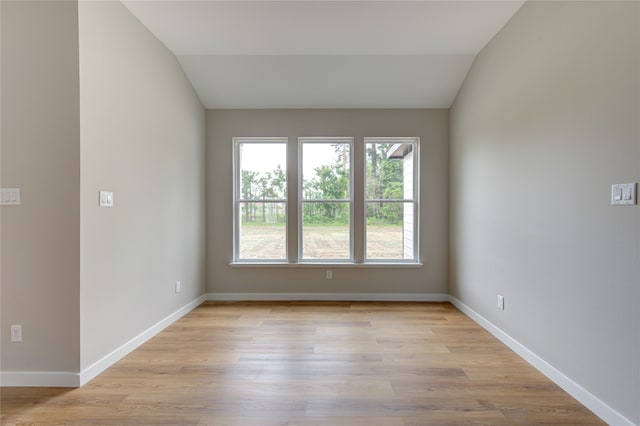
(325, 54)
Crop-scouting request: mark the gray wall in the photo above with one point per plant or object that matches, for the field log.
(430, 125)
(546, 121)
(142, 137)
(40, 142)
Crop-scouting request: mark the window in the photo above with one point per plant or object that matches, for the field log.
(260, 199)
(345, 189)
(325, 199)
(391, 199)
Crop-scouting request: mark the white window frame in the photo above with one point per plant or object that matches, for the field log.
(301, 200)
(415, 141)
(357, 206)
(237, 197)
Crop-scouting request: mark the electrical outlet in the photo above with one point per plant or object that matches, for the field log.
(329, 274)
(16, 333)
(500, 302)
(178, 287)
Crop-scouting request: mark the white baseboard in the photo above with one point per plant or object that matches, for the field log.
(586, 398)
(119, 353)
(350, 297)
(54, 379)
(73, 380)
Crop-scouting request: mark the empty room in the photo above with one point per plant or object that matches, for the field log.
(344, 212)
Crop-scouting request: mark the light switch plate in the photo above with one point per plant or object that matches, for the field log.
(10, 196)
(106, 199)
(16, 333)
(623, 194)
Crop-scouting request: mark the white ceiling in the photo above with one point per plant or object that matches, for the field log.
(325, 54)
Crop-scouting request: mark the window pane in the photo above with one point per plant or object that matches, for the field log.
(262, 231)
(325, 171)
(390, 229)
(389, 171)
(325, 231)
(263, 171)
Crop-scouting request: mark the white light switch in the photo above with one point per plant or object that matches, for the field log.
(617, 194)
(10, 196)
(106, 199)
(623, 194)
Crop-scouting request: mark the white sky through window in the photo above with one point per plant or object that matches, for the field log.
(316, 155)
(265, 157)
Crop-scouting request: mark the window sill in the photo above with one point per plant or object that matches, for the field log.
(335, 265)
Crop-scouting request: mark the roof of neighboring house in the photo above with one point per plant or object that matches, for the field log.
(399, 150)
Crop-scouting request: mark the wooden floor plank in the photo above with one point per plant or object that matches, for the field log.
(309, 363)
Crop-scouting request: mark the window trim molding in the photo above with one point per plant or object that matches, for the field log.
(296, 260)
(324, 264)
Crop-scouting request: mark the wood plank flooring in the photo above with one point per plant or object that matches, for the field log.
(324, 363)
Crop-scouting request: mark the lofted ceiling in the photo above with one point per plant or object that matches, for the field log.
(325, 54)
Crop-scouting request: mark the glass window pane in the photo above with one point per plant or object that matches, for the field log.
(389, 171)
(262, 233)
(263, 171)
(325, 231)
(390, 230)
(325, 171)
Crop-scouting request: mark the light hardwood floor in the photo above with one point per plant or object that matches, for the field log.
(324, 363)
